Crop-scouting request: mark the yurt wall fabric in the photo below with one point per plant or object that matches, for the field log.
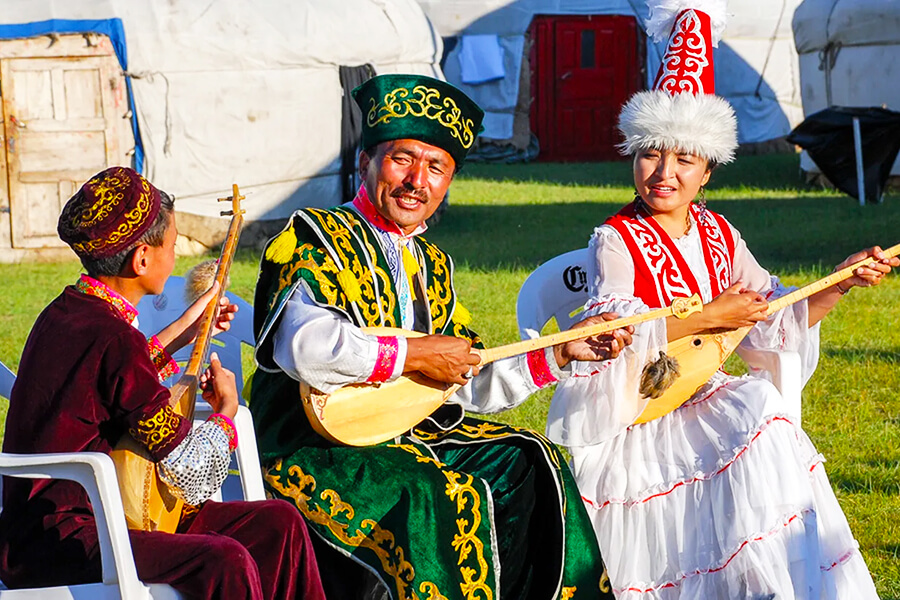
(756, 64)
(849, 55)
(248, 92)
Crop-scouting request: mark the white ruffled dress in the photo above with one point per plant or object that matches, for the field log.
(725, 497)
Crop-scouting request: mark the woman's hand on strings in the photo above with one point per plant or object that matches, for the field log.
(734, 308)
(605, 346)
(219, 388)
(866, 275)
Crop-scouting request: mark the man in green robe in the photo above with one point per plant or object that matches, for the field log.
(455, 508)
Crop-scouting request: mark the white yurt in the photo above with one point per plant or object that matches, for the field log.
(196, 95)
(849, 56)
(755, 63)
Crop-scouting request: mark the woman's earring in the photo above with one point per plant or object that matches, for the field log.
(701, 202)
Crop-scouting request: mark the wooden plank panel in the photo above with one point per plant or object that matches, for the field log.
(58, 87)
(81, 124)
(42, 207)
(63, 45)
(82, 93)
(35, 91)
(49, 151)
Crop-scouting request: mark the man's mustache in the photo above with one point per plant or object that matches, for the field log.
(410, 193)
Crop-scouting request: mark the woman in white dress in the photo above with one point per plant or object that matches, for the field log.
(725, 497)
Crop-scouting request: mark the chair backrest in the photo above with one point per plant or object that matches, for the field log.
(156, 312)
(7, 379)
(556, 289)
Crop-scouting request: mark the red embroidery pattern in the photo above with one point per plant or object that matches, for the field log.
(164, 363)
(227, 426)
(684, 66)
(540, 370)
(387, 359)
(92, 287)
(660, 261)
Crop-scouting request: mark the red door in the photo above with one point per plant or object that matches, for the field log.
(584, 68)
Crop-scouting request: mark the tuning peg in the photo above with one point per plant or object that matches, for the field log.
(227, 213)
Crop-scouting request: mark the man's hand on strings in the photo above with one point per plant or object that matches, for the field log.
(442, 357)
(605, 346)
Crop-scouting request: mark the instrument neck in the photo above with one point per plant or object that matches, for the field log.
(489, 355)
(826, 282)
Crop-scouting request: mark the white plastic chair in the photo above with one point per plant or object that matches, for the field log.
(7, 379)
(558, 289)
(156, 312)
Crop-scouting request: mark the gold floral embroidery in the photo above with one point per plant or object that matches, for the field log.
(387, 300)
(568, 593)
(440, 294)
(604, 582)
(465, 542)
(304, 260)
(425, 102)
(337, 518)
(156, 430)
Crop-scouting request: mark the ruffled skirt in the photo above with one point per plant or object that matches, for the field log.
(725, 497)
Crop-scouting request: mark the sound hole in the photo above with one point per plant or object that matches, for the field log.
(697, 342)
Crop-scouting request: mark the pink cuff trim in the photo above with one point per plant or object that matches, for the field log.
(386, 360)
(164, 363)
(227, 426)
(540, 370)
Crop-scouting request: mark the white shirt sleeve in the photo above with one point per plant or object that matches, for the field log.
(322, 348)
(785, 330)
(601, 399)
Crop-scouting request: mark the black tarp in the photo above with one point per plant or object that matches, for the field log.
(828, 138)
(351, 126)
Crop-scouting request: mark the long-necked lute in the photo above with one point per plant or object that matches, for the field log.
(365, 414)
(700, 355)
(148, 503)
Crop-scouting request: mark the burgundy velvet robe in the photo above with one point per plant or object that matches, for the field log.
(85, 379)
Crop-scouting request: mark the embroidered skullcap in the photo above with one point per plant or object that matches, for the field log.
(396, 107)
(109, 213)
(682, 112)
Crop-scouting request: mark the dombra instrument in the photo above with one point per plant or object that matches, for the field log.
(365, 414)
(700, 355)
(148, 503)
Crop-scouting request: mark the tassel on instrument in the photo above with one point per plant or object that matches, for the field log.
(199, 279)
(281, 249)
(462, 315)
(350, 284)
(659, 375)
(411, 266)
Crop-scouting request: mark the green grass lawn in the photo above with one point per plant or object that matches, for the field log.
(504, 220)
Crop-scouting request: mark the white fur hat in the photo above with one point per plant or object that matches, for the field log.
(682, 112)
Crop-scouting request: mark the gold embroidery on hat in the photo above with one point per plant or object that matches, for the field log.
(110, 192)
(426, 102)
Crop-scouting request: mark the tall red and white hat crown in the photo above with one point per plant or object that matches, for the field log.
(682, 112)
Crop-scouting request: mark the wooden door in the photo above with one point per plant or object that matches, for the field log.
(63, 123)
(584, 68)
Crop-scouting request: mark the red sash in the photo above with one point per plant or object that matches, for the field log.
(660, 272)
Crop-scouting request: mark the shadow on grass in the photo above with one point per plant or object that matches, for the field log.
(877, 476)
(865, 354)
(786, 235)
(767, 172)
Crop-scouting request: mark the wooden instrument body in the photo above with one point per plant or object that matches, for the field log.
(149, 504)
(699, 357)
(366, 414)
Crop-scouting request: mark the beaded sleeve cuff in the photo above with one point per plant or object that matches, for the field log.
(227, 426)
(386, 360)
(164, 363)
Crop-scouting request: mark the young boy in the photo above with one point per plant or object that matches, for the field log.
(87, 378)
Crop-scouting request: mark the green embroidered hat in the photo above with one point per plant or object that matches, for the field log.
(396, 107)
